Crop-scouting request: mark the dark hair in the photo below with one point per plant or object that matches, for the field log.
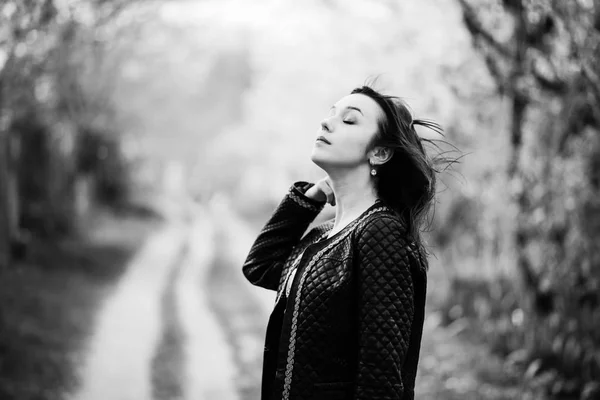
(406, 182)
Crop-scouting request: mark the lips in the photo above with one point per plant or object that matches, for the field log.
(322, 139)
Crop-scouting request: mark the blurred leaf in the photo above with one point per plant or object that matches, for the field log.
(591, 391)
(533, 369)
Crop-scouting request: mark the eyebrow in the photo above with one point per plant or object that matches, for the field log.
(350, 108)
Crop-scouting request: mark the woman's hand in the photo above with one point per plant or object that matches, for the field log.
(322, 191)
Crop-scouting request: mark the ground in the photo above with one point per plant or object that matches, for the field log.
(175, 319)
(49, 300)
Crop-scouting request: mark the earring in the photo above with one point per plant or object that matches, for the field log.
(373, 170)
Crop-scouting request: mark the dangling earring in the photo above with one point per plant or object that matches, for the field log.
(373, 170)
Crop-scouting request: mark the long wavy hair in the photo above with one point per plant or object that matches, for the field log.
(407, 182)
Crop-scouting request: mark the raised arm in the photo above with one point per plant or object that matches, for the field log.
(385, 309)
(282, 232)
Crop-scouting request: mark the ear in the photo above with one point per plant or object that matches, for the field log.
(380, 155)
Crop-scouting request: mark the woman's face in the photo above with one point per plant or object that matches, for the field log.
(346, 133)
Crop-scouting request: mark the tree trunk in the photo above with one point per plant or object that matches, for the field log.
(4, 197)
(9, 201)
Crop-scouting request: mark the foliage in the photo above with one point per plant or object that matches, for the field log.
(543, 56)
(58, 121)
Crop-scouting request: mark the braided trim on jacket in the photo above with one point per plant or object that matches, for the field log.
(289, 367)
(303, 202)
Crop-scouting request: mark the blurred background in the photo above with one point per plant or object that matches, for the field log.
(144, 143)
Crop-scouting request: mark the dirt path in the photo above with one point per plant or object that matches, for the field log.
(209, 360)
(155, 337)
(127, 330)
(241, 313)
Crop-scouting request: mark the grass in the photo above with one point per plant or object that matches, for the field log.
(48, 303)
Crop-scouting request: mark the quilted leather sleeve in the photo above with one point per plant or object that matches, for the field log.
(385, 308)
(264, 263)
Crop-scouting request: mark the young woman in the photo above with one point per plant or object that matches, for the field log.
(348, 318)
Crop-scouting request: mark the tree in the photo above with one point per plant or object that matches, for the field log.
(45, 48)
(19, 21)
(544, 57)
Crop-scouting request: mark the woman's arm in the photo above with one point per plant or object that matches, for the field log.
(282, 232)
(385, 308)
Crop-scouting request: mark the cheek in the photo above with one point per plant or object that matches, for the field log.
(351, 151)
(357, 145)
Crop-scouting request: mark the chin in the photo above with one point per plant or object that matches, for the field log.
(319, 160)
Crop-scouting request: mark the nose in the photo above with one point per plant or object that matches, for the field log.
(325, 125)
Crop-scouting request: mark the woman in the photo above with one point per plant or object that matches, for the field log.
(349, 313)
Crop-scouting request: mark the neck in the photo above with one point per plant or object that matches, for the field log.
(354, 193)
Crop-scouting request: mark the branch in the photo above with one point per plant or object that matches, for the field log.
(589, 74)
(592, 43)
(476, 29)
(496, 72)
(556, 85)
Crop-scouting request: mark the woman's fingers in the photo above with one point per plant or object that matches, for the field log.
(322, 191)
(328, 190)
(332, 201)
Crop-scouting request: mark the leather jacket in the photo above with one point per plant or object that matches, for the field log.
(348, 319)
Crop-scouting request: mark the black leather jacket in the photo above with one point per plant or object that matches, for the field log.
(349, 313)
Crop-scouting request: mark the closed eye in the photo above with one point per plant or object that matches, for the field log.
(349, 122)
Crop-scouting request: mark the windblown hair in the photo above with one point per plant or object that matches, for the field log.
(407, 182)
